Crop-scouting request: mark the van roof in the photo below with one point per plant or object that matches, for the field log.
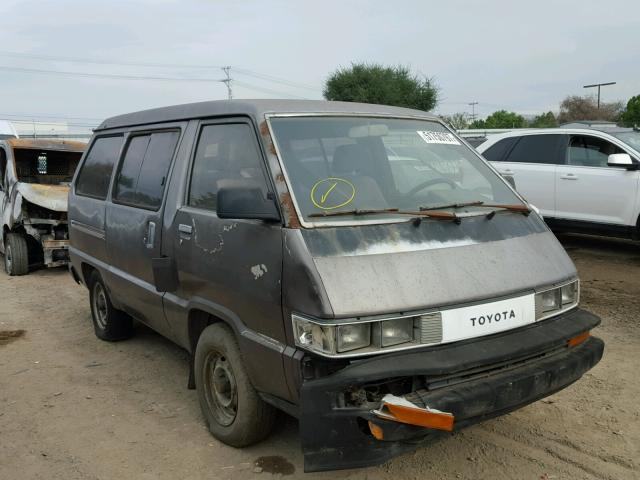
(254, 108)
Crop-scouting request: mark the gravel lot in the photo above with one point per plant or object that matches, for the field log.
(73, 407)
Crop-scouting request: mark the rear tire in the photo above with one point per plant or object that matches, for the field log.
(16, 255)
(109, 323)
(233, 410)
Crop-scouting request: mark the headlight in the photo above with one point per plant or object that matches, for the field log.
(330, 339)
(569, 293)
(549, 300)
(556, 300)
(393, 332)
(335, 338)
(353, 336)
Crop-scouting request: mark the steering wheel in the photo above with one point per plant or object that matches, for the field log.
(428, 183)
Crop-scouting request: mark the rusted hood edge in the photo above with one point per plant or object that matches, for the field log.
(51, 197)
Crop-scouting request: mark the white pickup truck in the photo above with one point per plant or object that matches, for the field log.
(581, 179)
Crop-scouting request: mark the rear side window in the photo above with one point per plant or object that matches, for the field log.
(143, 174)
(590, 151)
(95, 174)
(538, 149)
(496, 152)
(227, 156)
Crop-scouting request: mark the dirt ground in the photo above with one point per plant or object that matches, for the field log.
(73, 407)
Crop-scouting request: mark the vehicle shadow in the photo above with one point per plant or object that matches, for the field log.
(599, 245)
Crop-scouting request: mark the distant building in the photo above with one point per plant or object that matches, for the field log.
(7, 129)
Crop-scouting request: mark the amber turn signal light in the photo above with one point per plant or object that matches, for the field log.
(376, 431)
(578, 339)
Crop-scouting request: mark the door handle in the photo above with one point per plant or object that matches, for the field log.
(568, 176)
(507, 172)
(185, 230)
(150, 238)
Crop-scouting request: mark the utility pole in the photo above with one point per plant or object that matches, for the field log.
(473, 110)
(599, 85)
(227, 81)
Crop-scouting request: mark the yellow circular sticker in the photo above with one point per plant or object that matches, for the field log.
(332, 192)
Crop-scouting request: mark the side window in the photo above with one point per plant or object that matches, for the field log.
(143, 174)
(226, 156)
(3, 167)
(538, 149)
(497, 151)
(95, 174)
(589, 151)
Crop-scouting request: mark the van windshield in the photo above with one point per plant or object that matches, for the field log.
(381, 165)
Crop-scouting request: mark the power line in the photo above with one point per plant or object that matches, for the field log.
(267, 90)
(38, 115)
(108, 75)
(274, 79)
(242, 71)
(103, 62)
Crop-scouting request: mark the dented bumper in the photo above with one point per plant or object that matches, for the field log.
(474, 380)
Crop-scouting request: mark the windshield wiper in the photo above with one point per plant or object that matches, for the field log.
(511, 207)
(452, 205)
(354, 212)
(524, 209)
(435, 214)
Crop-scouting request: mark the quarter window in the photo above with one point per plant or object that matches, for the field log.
(143, 174)
(95, 174)
(496, 152)
(538, 149)
(226, 156)
(590, 151)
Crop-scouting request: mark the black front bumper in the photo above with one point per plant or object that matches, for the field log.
(533, 361)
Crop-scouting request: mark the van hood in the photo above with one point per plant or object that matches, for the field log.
(51, 197)
(397, 268)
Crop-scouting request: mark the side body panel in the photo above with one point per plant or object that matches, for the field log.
(231, 270)
(87, 224)
(597, 194)
(133, 238)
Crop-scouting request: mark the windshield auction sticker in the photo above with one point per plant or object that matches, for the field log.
(332, 192)
(443, 138)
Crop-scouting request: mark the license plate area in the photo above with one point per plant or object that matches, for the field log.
(487, 318)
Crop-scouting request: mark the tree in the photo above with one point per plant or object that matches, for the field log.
(457, 121)
(631, 116)
(575, 108)
(500, 119)
(546, 120)
(372, 83)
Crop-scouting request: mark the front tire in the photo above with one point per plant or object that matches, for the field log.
(16, 255)
(109, 323)
(233, 410)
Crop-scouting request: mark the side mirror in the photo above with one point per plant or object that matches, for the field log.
(622, 160)
(246, 202)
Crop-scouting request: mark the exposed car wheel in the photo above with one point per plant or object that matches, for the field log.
(16, 254)
(109, 323)
(235, 413)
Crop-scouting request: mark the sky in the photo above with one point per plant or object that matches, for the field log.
(513, 55)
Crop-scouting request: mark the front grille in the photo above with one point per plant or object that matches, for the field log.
(430, 328)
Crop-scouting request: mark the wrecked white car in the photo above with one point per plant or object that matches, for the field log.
(34, 184)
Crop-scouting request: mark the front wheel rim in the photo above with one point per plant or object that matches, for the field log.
(221, 389)
(100, 306)
(8, 259)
